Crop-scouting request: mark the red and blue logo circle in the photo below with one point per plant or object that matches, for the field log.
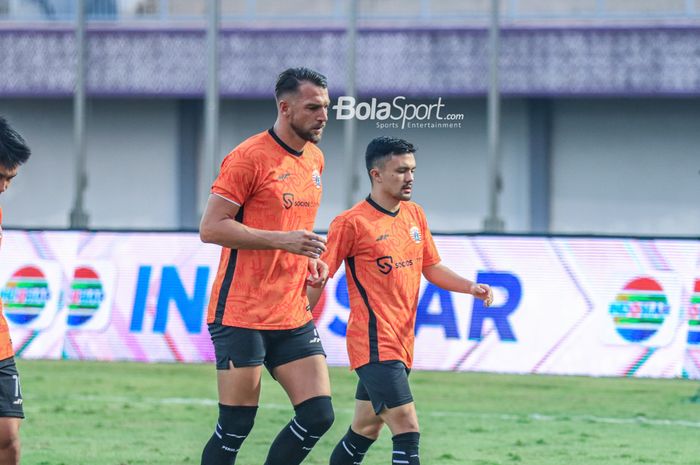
(694, 315)
(85, 297)
(640, 309)
(25, 295)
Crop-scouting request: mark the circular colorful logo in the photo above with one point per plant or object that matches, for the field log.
(639, 309)
(316, 178)
(415, 234)
(694, 315)
(25, 295)
(85, 297)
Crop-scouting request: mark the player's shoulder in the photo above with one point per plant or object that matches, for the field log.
(314, 152)
(343, 218)
(350, 216)
(313, 149)
(412, 207)
(251, 152)
(361, 209)
(253, 147)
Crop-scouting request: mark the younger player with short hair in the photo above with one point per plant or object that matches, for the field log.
(386, 245)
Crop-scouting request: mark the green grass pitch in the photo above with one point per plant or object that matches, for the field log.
(86, 413)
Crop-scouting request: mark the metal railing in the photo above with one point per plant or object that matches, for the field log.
(335, 11)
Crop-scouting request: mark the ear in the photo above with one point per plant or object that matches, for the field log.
(283, 107)
(375, 175)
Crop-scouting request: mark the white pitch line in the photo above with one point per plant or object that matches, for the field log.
(434, 413)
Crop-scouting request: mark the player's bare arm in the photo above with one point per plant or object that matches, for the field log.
(219, 226)
(318, 273)
(445, 278)
(316, 281)
(314, 294)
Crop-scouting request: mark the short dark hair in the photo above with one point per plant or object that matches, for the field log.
(381, 148)
(13, 148)
(290, 79)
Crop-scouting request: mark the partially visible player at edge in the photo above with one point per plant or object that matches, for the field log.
(386, 245)
(13, 153)
(262, 210)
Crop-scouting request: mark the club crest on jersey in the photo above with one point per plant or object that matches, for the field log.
(316, 178)
(415, 234)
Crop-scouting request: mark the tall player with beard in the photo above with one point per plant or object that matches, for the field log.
(386, 245)
(262, 210)
(13, 153)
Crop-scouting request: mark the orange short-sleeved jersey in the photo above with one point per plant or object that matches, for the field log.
(384, 254)
(6, 350)
(278, 189)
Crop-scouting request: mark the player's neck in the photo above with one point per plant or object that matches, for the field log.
(387, 202)
(288, 136)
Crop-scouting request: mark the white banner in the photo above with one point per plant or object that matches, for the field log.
(587, 306)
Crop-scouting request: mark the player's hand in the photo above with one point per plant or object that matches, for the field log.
(483, 292)
(304, 243)
(318, 273)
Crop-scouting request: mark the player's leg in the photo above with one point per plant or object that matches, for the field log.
(390, 394)
(403, 423)
(363, 431)
(239, 357)
(401, 419)
(365, 421)
(9, 440)
(297, 360)
(11, 412)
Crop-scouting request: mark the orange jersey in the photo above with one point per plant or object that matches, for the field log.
(385, 254)
(278, 189)
(6, 350)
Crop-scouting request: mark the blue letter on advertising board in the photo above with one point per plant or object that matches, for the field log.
(339, 326)
(499, 315)
(171, 289)
(142, 284)
(191, 309)
(446, 317)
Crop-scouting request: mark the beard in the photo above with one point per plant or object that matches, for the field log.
(403, 196)
(307, 135)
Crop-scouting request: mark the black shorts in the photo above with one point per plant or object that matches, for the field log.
(385, 384)
(10, 390)
(253, 347)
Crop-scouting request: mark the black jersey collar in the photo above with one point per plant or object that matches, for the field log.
(284, 146)
(380, 208)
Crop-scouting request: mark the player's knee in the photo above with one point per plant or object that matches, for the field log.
(10, 445)
(405, 420)
(236, 421)
(369, 431)
(409, 424)
(316, 414)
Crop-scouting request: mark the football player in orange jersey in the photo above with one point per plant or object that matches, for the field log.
(13, 153)
(386, 245)
(262, 210)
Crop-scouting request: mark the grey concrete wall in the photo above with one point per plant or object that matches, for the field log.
(628, 166)
(131, 165)
(452, 163)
